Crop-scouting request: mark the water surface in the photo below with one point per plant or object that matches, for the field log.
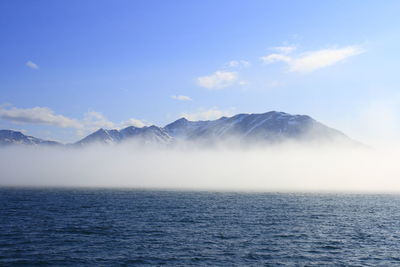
(92, 227)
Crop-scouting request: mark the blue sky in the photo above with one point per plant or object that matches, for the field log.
(69, 67)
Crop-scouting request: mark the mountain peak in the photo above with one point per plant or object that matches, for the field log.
(132, 127)
(100, 130)
(180, 121)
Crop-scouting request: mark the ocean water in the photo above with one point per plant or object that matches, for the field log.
(92, 227)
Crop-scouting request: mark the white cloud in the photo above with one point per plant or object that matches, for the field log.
(37, 115)
(209, 114)
(313, 60)
(32, 65)
(276, 57)
(238, 63)
(132, 122)
(181, 97)
(91, 121)
(94, 120)
(218, 80)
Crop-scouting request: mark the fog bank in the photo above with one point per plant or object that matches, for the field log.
(279, 168)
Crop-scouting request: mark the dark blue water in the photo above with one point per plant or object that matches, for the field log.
(60, 227)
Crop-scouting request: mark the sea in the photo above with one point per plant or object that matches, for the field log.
(127, 227)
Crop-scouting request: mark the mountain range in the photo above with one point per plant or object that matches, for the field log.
(269, 127)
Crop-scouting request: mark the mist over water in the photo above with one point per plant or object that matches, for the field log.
(286, 167)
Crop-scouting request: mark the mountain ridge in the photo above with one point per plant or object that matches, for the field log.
(268, 127)
(11, 137)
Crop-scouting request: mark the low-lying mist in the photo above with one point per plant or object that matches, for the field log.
(286, 167)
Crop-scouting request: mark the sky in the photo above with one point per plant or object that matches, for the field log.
(70, 67)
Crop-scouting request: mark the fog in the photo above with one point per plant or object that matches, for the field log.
(283, 168)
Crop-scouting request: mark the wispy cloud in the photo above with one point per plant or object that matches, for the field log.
(32, 65)
(181, 97)
(237, 64)
(208, 114)
(312, 60)
(218, 80)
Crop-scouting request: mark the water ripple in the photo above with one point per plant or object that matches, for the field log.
(60, 227)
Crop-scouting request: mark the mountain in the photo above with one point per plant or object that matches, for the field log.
(270, 127)
(10, 137)
(266, 127)
(244, 129)
(145, 135)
